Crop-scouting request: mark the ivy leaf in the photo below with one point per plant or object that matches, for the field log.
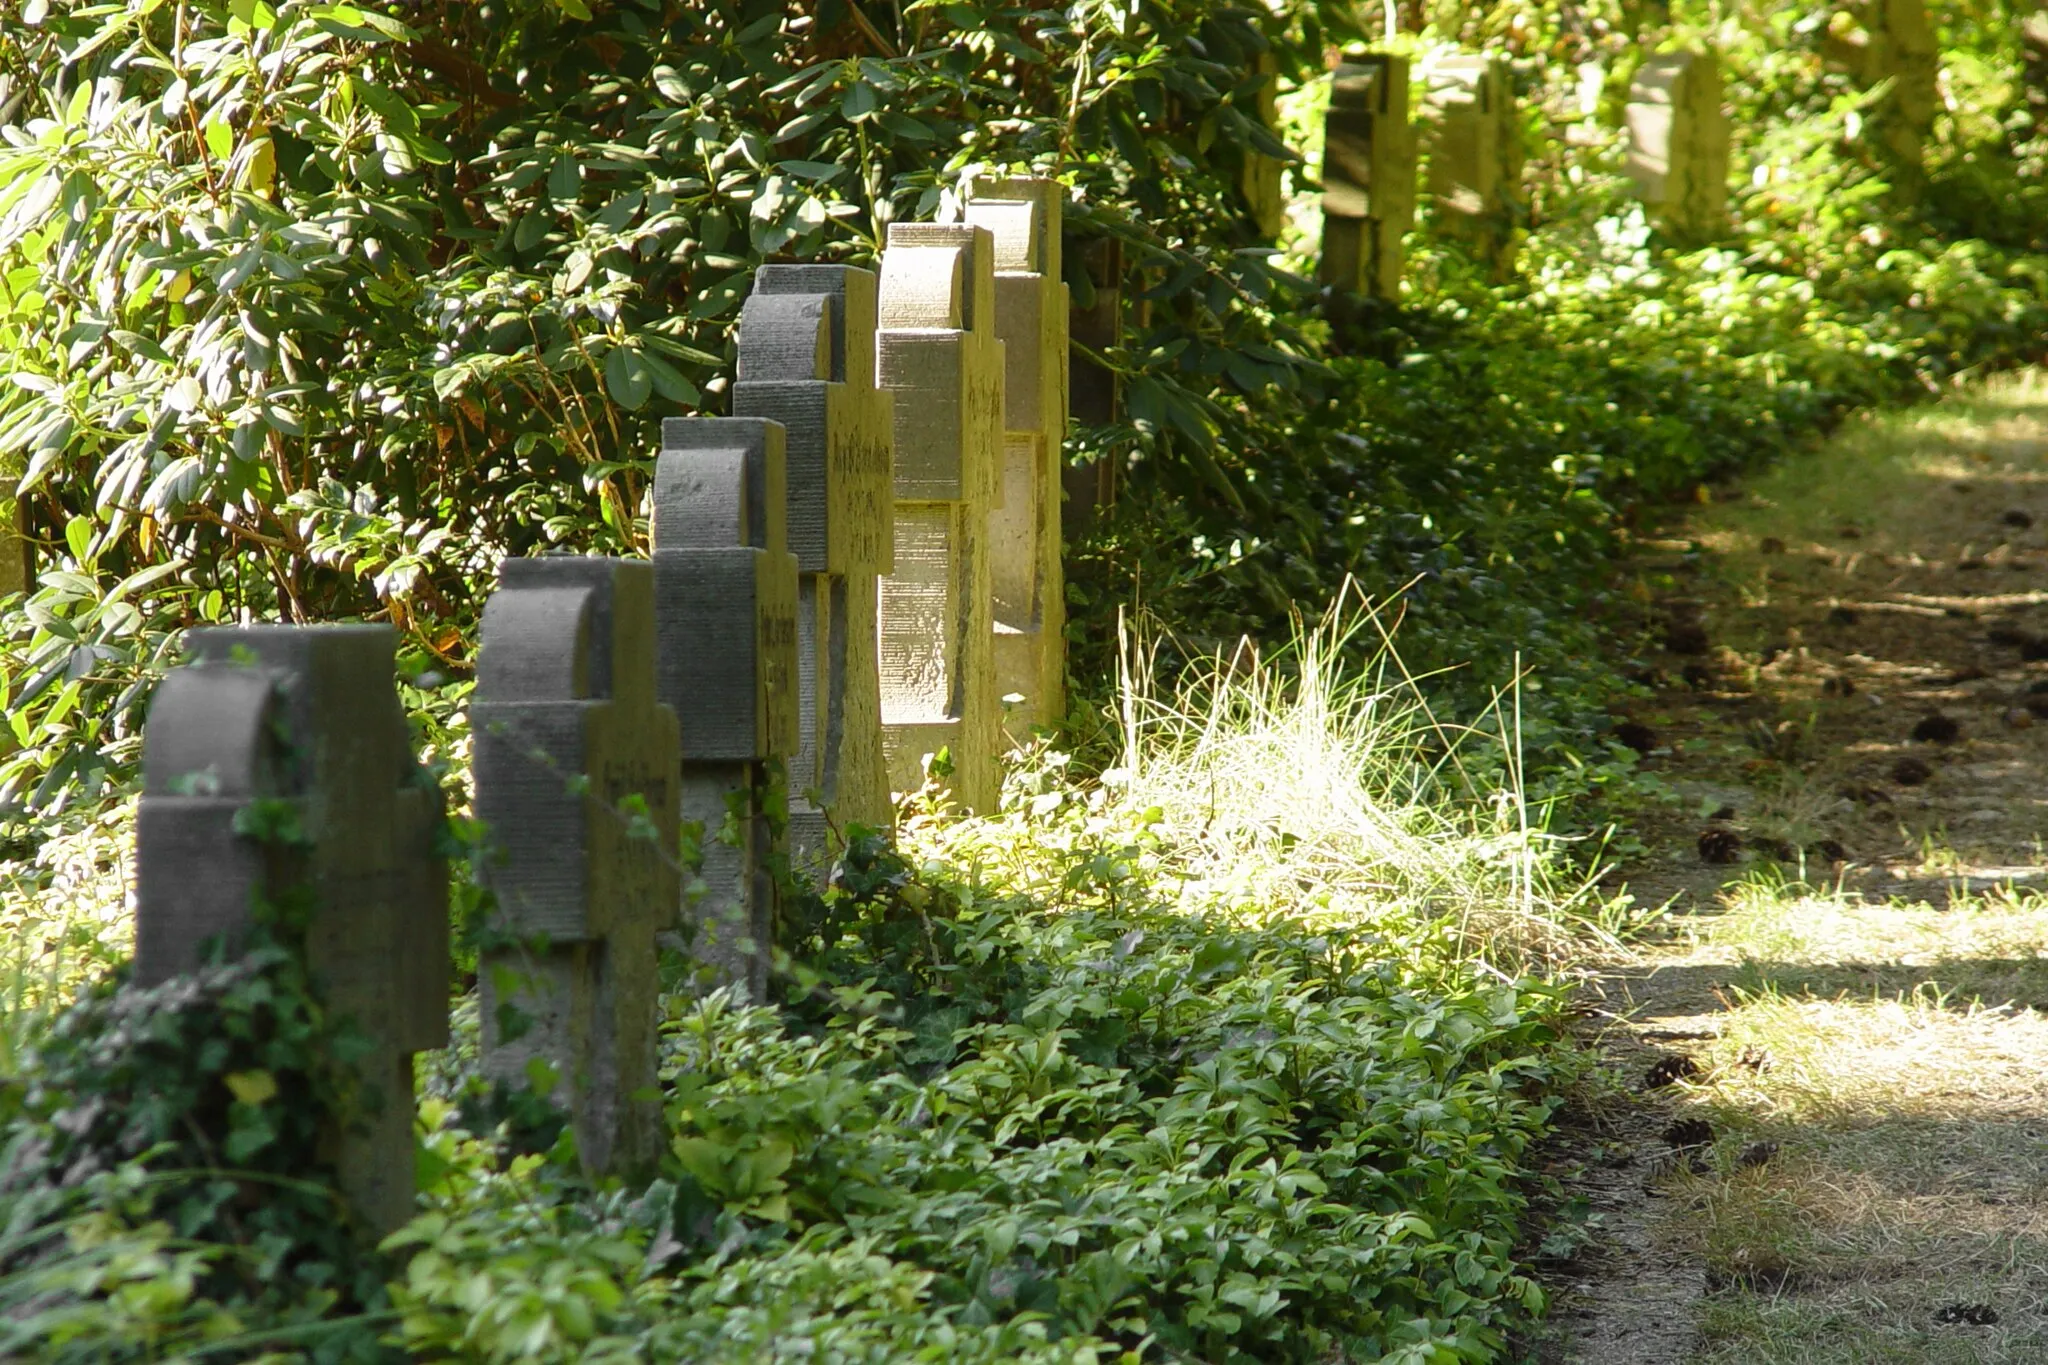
(252, 1087)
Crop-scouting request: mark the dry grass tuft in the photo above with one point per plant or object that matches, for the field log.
(1305, 784)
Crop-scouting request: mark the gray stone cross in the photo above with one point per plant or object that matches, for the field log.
(276, 726)
(726, 661)
(577, 769)
(807, 360)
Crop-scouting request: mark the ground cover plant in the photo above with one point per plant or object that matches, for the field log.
(1040, 1086)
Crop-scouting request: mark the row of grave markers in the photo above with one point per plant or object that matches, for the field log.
(859, 568)
(1677, 155)
(856, 570)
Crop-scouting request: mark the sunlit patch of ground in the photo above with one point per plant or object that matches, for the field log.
(1863, 987)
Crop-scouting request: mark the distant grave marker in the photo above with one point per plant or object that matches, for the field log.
(726, 661)
(807, 360)
(1474, 145)
(1095, 322)
(576, 770)
(1259, 177)
(1678, 143)
(1368, 175)
(1023, 217)
(1891, 40)
(940, 359)
(300, 726)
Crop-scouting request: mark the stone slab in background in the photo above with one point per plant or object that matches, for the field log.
(576, 771)
(1024, 216)
(1892, 40)
(1473, 144)
(299, 728)
(1678, 143)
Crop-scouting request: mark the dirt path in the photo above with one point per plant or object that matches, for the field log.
(1828, 1135)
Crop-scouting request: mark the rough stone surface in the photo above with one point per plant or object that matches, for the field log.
(939, 356)
(577, 770)
(1024, 218)
(1474, 152)
(725, 589)
(807, 360)
(1368, 175)
(305, 720)
(1678, 143)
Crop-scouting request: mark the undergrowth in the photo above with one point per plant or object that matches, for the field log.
(1040, 1087)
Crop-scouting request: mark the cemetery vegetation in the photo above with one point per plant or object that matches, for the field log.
(316, 311)
(1082, 1081)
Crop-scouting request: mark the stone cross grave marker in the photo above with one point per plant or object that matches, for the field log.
(1095, 320)
(306, 721)
(1023, 217)
(725, 629)
(807, 360)
(1259, 175)
(1678, 143)
(1368, 175)
(1892, 41)
(1474, 151)
(576, 769)
(940, 359)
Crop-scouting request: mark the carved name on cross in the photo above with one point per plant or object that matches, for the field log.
(576, 770)
(1024, 218)
(726, 662)
(807, 361)
(940, 359)
(301, 725)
